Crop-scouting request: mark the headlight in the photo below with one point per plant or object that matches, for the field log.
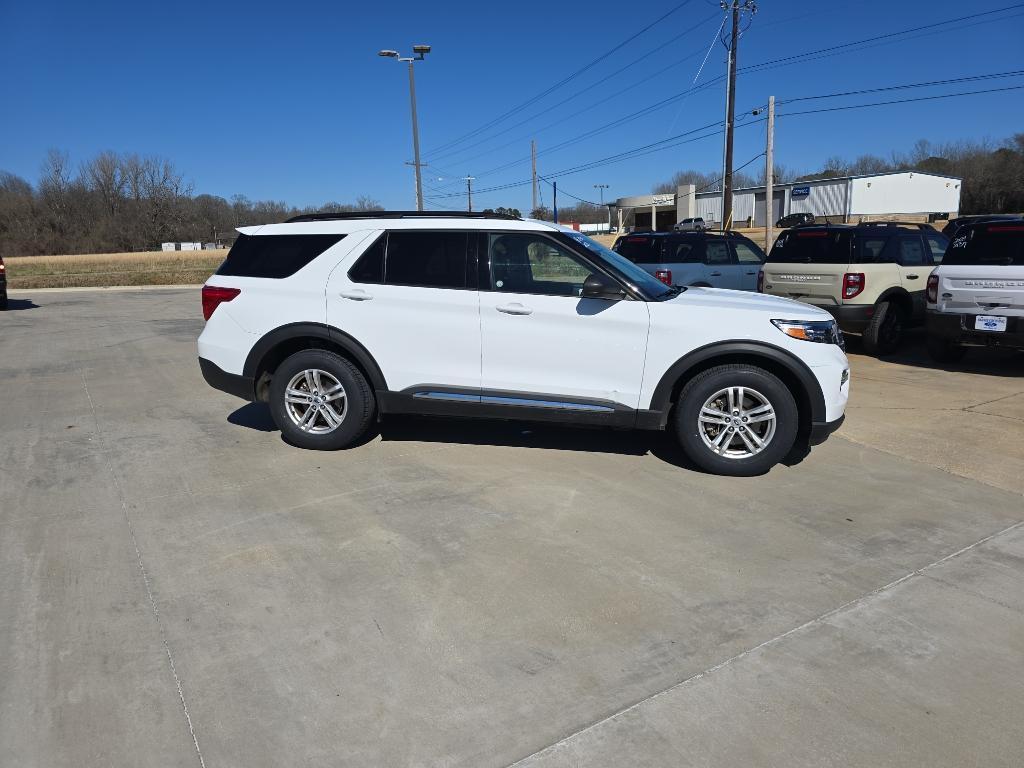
(821, 331)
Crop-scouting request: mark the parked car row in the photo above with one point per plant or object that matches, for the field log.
(877, 279)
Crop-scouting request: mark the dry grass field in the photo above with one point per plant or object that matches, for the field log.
(101, 270)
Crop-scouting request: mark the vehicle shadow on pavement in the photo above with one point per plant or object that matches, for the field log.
(510, 434)
(13, 305)
(990, 361)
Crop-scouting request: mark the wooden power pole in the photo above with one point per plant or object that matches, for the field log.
(769, 177)
(737, 7)
(533, 163)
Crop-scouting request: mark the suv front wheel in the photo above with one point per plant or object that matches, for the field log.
(319, 400)
(737, 420)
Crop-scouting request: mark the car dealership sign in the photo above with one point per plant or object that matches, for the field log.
(800, 192)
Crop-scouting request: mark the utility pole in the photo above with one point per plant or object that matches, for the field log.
(554, 199)
(469, 193)
(737, 7)
(769, 177)
(533, 163)
(601, 188)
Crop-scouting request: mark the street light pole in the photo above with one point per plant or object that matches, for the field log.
(420, 52)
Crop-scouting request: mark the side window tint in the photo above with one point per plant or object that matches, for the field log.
(528, 263)
(426, 259)
(718, 252)
(871, 250)
(747, 253)
(937, 245)
(911, 252)
(685, 252)
(369, 268)
(274, 256)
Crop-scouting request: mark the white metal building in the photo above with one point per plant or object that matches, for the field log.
(848, 198)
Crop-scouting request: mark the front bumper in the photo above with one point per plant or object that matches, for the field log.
(959, 329)
(232, 383)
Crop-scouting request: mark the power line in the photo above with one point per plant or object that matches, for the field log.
(949, 81)
(564, 80)
(592, 86)
(901, 101)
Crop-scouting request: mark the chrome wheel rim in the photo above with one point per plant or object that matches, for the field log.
(737, 422)
(315, 401)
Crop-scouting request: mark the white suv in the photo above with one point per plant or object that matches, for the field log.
(335, 320)
(975, 297)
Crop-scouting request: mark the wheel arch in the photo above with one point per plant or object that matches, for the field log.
(277, 345)
(790, 369)
(899, 296)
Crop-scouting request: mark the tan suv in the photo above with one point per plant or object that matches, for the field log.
(870, 277)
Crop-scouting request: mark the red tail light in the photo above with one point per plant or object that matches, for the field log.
(214, 295)
(933, 289)
(665, 275)
(760, 281)
(2, 267)
(853, 284)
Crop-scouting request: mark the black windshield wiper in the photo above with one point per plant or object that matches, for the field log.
(675, 290)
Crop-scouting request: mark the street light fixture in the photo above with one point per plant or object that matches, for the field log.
(420, 52)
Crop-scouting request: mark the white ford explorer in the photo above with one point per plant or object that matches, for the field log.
(336, 320)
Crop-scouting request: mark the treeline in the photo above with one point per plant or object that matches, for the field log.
(124, 202)
(992, 172)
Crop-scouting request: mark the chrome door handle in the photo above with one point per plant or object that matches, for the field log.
(515, 308)
(357, 295)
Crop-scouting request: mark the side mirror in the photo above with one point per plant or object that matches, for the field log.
(597, 286)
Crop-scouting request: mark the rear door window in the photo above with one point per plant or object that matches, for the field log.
(427, 259)
(640, 249)
(812, 246)
(274, 256)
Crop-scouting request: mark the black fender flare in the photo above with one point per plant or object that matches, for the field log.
(328, 333)
(899, 294)
(661, 400)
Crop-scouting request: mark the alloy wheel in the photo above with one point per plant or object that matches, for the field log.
(737, 422)
(315, 401)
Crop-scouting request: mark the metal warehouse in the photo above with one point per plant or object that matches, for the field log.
(908, 194)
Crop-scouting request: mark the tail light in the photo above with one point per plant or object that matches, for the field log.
(933, 289)
(760, 281)
(853, 284)
(665, 275)
(214, 296)
(2, 267)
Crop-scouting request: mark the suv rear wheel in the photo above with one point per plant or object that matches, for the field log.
(885, 331)
(319, 400)
(737, 420)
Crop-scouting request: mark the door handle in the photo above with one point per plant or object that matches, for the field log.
(751, 273)
(515, 308)
(911, 277)
(357, 295)
(716, 274)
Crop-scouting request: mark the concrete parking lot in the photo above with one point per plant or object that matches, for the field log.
(181, 588)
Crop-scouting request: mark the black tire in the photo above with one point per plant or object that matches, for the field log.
(688, 428)
(359, 405)
(944, 350)
(884, 333)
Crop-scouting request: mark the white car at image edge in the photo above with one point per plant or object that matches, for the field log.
(336, 320)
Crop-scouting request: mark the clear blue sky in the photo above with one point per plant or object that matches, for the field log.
(290, 101)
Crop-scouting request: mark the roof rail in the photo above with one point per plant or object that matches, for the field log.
(917, 224)
(398, 215)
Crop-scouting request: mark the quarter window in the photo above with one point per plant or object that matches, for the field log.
(370, 266)
(274, 256)
(529, 263)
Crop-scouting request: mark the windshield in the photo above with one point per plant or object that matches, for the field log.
(649, 286)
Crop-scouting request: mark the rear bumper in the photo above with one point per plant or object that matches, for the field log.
(232, 383)
(959, 329)
(852, 318)
(821, 430)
